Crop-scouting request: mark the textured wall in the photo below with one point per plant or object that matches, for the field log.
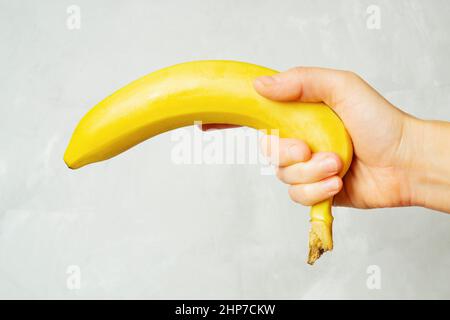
(140, 226)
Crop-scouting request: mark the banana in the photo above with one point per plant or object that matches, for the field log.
(211, 92)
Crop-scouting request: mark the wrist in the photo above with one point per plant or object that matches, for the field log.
(427, 163)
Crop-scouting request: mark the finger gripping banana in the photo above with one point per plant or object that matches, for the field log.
(210, 92)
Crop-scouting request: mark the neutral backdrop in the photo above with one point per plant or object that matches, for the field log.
(141, 226)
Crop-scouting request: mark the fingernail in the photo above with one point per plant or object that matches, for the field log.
(331, 185)
(295, 152)
(266, 80)
(329, 165)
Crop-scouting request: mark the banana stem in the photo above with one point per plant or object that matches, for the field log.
(320, 235)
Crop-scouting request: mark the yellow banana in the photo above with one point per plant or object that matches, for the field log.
(210, 92)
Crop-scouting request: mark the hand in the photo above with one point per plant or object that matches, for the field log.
(392, 150)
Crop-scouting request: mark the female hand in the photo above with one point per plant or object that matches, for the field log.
(398, 160)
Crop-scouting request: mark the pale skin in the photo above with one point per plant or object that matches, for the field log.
(399, 160)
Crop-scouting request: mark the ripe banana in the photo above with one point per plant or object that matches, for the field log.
(211, 92)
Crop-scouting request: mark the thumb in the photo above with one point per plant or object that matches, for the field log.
(307, 84)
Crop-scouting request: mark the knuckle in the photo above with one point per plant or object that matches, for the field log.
(295, 173)
(285, 175)
(339, 183)
(338, 162)
(306, 152)
(302, 152)
(351, 76)
(333, 156)
(298, 70)
(293, 193)
(280, 174)
(297, 194)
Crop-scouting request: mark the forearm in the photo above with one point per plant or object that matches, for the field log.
(430, 176)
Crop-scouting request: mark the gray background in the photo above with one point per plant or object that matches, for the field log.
(140, 226)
